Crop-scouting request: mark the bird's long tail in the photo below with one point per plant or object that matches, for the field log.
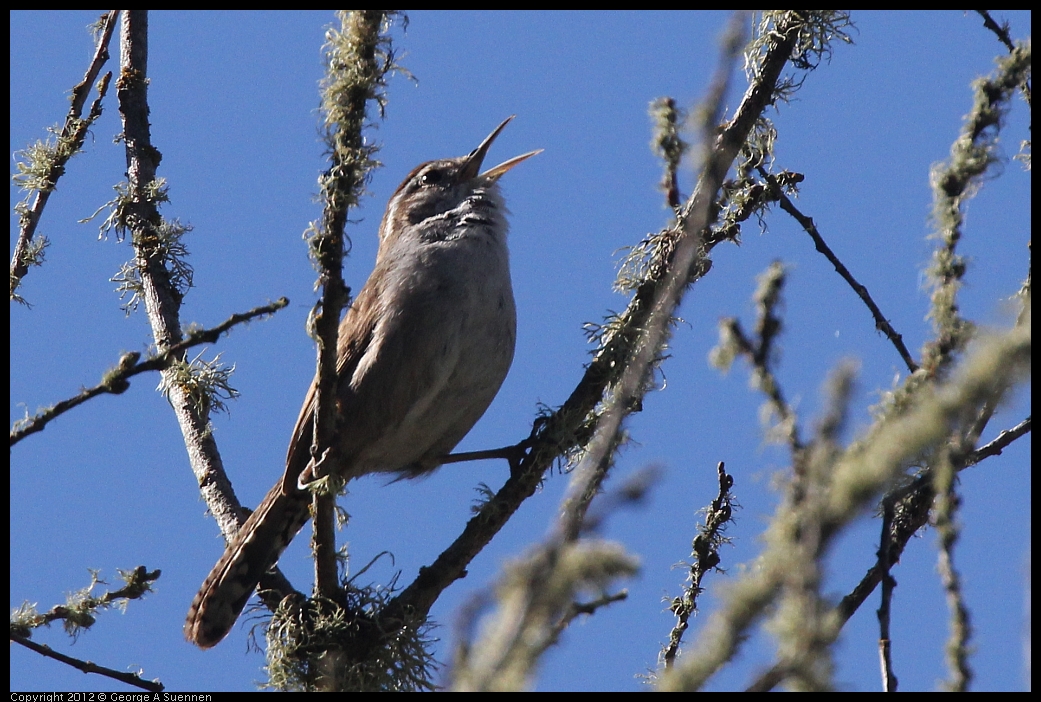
(255, 549)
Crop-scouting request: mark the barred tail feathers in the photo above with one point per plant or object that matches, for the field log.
(256, 548)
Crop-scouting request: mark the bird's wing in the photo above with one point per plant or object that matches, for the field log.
(355, 336)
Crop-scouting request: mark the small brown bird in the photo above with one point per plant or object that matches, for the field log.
(421, 354)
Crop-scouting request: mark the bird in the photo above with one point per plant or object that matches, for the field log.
(421, 354)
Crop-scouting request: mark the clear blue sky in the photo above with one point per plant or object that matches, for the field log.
(233, 99)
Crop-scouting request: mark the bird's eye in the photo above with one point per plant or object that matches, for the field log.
(432, 177)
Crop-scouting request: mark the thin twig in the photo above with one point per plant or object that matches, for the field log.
(87, 667)
(79, 614)
(759, 353)
(670, 145)
(705, 555)
(998, 443)
(345, 97)
(889, 680)
(115, 381)
(948, 531)
(70, 141)
(881, 323)
(1001, 32)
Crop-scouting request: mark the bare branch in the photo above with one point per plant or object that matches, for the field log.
(45, 163)
(881, 323)
(705, 557)
(78, 614)
(115, 381)
(87, 667)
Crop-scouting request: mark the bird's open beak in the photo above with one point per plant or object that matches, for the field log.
(476, 157)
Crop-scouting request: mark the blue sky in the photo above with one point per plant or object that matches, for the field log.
(233, 107)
